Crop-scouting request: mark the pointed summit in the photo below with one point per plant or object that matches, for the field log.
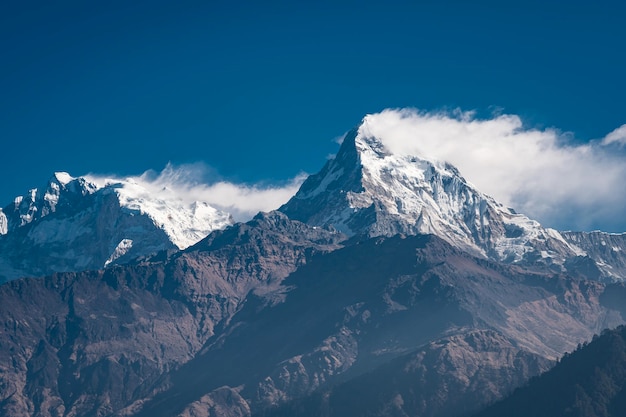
(368, 189)
(63, 177)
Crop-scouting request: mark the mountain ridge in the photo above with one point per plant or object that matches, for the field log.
(75, 224)
(382, 298)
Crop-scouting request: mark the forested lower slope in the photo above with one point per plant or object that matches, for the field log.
(590, 382)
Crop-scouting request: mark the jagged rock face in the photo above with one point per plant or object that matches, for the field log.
(61, 192)
(358, 309)
(74, 225)
(95, 343)
(606, 250)
(223, 402)
(366, 189)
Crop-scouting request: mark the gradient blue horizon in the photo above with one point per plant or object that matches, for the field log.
(259, 91)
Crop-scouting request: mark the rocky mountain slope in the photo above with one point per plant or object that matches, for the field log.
(74, 224)
(92, 343)
(383, 300)
(267, 312)
(452, 376)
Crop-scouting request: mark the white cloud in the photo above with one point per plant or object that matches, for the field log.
(197, 182)
(339, 139)
(618, 136)
(244, 201)
(541, 173)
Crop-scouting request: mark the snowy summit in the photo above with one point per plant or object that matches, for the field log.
(369, 188)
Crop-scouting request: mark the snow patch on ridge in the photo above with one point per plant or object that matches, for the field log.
(333, 176)
(120, 250)
(4, 223)
(63, 178)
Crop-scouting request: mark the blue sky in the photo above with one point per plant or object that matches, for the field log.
(258, 90)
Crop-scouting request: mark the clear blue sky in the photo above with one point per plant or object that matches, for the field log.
(258, 90)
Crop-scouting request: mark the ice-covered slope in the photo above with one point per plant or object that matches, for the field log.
(73, 224)
(367, 189)
(184, 222)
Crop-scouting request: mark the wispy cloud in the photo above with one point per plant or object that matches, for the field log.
(618, 136)
(339, 139)
(199, 182)
(243, 200)
(542, 173)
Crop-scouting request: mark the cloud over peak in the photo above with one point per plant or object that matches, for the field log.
(543, 173)
(199, 182)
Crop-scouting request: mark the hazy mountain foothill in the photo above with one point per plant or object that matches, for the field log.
(589, 382)
(388, 285)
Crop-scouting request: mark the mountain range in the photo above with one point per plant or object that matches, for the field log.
(387, 286)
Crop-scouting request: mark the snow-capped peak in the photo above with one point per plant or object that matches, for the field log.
(40, 202)
(185, 222)
(63, 178)
(78, 223)
(369, 189)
